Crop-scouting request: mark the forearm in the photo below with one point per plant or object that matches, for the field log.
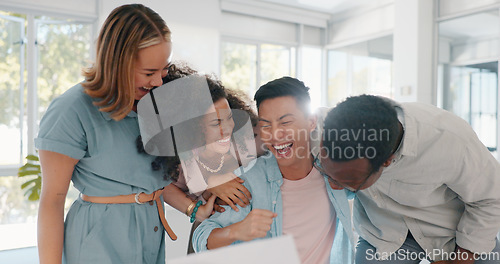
(477, 184)
(221, 237)
(57, 171)
(176, 198)
(216, 180)
(50, 231)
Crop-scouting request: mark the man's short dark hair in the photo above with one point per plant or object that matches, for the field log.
(285, 86)
(364, 126)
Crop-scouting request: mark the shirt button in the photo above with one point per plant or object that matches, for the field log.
(151, 202)
(155, 229)
(375, 196)
(274, 202)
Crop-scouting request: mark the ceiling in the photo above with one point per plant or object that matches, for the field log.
(481, 24)
(325, 6)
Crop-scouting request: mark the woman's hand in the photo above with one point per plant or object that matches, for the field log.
(232, 192)
(206, 210)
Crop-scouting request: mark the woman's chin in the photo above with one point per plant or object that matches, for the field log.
(217, 150)
(222, 150)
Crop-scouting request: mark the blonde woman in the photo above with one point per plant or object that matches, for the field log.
(87, 136)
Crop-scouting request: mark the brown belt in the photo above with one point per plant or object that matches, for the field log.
(139, 198)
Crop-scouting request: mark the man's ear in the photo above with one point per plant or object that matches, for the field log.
(388, 161)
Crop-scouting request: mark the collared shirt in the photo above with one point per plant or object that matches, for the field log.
(264, 181)
(109, 164)
(443, 186)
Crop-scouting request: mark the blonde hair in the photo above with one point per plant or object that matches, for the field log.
(110, 80)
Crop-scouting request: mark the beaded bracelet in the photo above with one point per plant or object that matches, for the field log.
(193, 215)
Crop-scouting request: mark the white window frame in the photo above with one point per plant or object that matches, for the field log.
(31, 68)
(258, 44)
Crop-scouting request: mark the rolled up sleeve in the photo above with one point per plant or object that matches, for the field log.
(478, 185)
(61, 130)
(218, 220)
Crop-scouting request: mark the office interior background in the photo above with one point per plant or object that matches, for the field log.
(441, 52)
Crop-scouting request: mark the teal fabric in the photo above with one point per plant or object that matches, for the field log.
(263, 179)
(109, 165)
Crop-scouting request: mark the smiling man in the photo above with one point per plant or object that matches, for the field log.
(426, 187)
(289, 196)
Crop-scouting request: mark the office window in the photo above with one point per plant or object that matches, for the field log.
(468, 71)
(239, 66)
(312, 64)
(473, 95)
(363, 68)
(246, 66)
(61, 48)
(12, 88)
(275, 62)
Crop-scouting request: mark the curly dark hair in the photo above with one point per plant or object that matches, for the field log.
(363, 116)
(237, 100)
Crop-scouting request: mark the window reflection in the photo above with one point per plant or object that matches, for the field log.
(468, 53)
(363, 68)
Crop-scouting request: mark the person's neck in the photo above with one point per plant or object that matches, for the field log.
(298, 170)
(207, 155)
(134, 106)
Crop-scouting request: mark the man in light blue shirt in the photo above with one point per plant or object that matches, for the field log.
(426, 187)
(289, 196)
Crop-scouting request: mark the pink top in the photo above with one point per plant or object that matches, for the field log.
(309, 216)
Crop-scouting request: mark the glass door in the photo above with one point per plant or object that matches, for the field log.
(484, 103)
(473, 95)
(468, 51)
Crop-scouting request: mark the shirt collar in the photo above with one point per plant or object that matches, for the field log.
(408, 146)
(107, 115)
(274, 173)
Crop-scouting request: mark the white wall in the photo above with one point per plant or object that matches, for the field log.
(411, 24)
(413, 51)
(363, 26)
(72, 8)
(248, 27)
(379, 48)
(475, 52)
(194, 25)
(453, 7)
